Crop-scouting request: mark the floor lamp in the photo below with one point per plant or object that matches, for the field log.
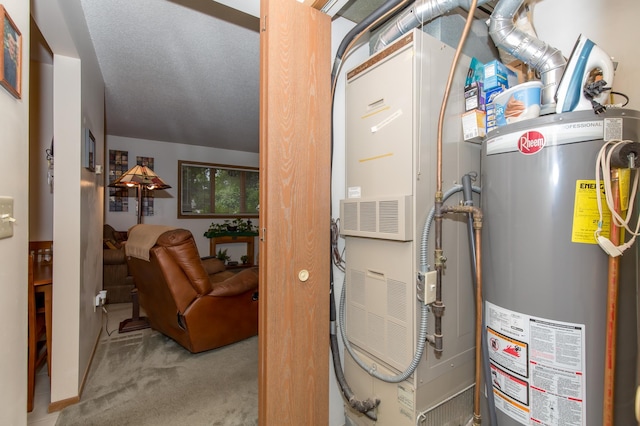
(142, 178)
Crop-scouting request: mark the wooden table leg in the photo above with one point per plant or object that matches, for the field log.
(48, 306)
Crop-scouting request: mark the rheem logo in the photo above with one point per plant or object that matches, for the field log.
(531, 142)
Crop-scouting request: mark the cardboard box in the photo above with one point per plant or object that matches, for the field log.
(512, 78)
(475, 72)
(522, 72)
(490, 108)
(495, 74)
(490, 118)
(473, 96)
(489, 95)
(473, 126)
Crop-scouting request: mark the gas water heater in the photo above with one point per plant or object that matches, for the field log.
(393, 100)
(546, 278)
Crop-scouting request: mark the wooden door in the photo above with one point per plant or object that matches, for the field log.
(294, 214)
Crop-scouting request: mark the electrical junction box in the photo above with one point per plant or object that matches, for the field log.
(6, 217)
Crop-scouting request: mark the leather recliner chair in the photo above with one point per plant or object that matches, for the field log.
(196, 302)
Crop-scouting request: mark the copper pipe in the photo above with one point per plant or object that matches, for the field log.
(445, 98)
(439, 258)
(612, 300)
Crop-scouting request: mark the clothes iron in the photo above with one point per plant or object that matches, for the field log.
(589, 68)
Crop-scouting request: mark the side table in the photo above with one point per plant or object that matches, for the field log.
(231, 239)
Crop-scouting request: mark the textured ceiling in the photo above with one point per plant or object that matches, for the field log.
(184, 71)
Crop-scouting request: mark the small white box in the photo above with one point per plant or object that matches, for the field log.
(473, 126)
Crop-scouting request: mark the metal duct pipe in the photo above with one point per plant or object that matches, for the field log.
(381, 13)
(547, 60)
(418, 14)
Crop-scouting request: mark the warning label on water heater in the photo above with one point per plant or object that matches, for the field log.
(537, 367)
(586, 215)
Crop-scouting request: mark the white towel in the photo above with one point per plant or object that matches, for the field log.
(142, 238)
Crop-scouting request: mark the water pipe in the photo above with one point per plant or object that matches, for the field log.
(612, 309)
(439, 258)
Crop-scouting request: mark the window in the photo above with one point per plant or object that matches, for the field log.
(217, 191)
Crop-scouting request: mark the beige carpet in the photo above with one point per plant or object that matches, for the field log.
(144, 378)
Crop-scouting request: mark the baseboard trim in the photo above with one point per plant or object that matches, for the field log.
(64, 403)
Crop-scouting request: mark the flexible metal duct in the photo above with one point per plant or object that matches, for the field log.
(547, 60)
(387, 7)
(417, 15)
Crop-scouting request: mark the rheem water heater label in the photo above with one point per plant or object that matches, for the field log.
(537, 367)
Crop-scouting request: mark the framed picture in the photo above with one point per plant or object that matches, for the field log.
(89, 150)
(118, 164)
(11, 58)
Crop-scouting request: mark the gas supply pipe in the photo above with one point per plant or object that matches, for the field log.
(477, 227)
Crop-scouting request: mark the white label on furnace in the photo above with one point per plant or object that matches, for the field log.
(386, 121)
(537, 367)
(405, 396)
(354, 192)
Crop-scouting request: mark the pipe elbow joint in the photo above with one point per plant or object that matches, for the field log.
(477, 223)
(438, 347)
(477, 217)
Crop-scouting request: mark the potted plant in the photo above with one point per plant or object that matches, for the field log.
(223, 256)
(241, 225)
(244, 259)
(217, 228)
(236, 225)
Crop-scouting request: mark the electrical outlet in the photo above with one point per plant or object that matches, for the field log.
(6, 217)
(101, 299)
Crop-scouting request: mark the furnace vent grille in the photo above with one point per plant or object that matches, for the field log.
(378, 316)
(454, 411)
(388, 218)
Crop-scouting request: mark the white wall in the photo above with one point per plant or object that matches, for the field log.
(14, 182)
(612, 25)
(66, 229)
(78, 102)
(166, 156)
(40, 137)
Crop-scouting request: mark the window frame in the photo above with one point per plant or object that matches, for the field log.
(182, 215)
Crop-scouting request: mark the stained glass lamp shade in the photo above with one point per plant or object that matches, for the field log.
(142, 178)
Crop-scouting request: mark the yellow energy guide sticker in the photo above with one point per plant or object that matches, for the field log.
(624, 180)
(585, 213)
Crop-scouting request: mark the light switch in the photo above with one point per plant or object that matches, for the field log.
(6, 217)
